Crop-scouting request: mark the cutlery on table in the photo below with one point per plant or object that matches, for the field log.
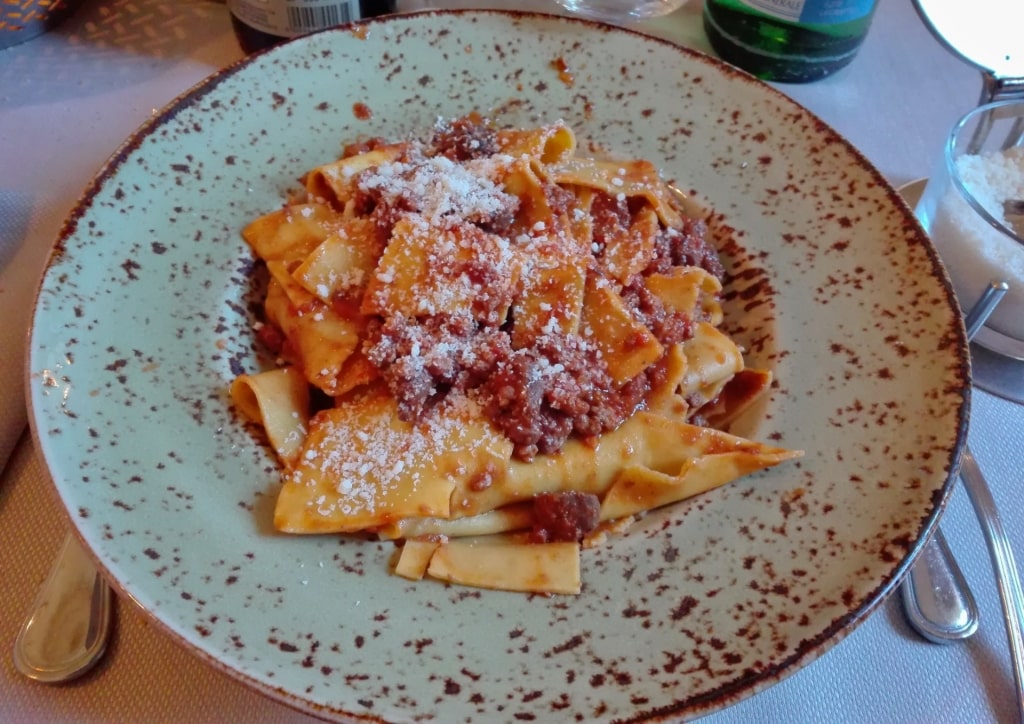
(937, 601)
(941, 586)
(66, 631)
(1007, 578)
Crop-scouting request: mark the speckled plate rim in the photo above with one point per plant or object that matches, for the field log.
(713, 700)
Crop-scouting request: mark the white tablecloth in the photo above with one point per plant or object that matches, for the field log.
(67, 100)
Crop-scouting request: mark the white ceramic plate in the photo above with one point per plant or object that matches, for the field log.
(144, 318)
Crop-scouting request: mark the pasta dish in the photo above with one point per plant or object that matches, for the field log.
(494, 351)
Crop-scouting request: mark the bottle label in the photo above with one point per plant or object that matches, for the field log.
(814, 12)
(293, 17)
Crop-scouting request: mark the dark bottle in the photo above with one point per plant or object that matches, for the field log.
(791, 41)
(260, 24)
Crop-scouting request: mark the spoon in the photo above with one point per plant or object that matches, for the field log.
(65, 633)
(936, 598)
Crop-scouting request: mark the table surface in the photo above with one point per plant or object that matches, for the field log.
(67, 100)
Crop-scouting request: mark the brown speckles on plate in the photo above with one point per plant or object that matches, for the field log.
(146, 313)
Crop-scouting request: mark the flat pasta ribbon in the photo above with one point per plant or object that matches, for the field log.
(495, 351)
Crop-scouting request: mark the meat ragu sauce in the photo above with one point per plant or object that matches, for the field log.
(565, 516)
(558, 386)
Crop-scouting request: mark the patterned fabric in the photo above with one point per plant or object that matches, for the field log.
(17, 286)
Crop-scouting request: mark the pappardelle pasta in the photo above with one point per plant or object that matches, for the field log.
(493, 351)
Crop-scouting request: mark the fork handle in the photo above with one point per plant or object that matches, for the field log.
(1007, 578)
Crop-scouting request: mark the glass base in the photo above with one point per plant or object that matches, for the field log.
(1000, 344)
(615, 11)
(997, 361)
(999, 375)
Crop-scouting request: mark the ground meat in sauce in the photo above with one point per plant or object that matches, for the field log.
(384, 214)
(421, 360)
(560, 201)
(564, 517)
(685, 247)
(537, 397)
(464, 139)
(669, 326)
(366, 145)
(272, 338)
(559, 386)
(386, 209)
(610, 214)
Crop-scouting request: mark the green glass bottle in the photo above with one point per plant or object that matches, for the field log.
(790, 41)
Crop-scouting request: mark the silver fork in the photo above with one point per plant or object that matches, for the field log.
(1003, 562)
(955, 588)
